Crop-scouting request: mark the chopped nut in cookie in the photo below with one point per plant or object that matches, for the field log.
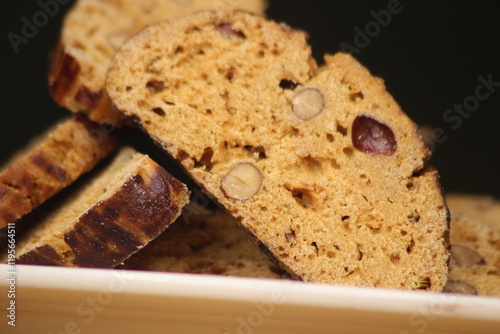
(465, 257)
(372, 137)
(242, 181)
(227, 29)
(308, 103)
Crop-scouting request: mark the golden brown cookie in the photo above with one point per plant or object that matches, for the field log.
(480, 207)
(92, 32)
(321, 167)
(203, 241)
(475, 257)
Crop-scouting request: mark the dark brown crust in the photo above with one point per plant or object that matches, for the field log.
(48, 168)
(114, 229)
(44, 255)
(63, 72)
(66, 89)
(87, 98)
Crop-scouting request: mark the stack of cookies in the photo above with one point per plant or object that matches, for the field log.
(316, 172)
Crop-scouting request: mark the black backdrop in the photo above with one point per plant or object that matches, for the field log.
(433, 55)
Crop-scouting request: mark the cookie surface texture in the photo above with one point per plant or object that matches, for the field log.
(52, 162)
(123, 205)
(320, 165)
(92, 32)
(475, 257)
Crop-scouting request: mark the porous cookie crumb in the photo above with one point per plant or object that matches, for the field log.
(204, 242)
(344, 194)
(93, 31)
(480, 207)
(475, 257)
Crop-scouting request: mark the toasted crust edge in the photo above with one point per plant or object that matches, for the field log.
(115, 228)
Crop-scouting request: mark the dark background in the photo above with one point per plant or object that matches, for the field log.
(430, 55)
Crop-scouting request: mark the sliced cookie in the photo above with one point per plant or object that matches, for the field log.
(92, 32)
(321, 166)
(204, 241)
(51, 163)
(475, 257)
(480, 207)
(123, 206)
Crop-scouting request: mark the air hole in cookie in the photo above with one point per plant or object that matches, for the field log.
(315, 245)
(230, 74)
(394, 257)
(335, 164)
(409, 185)
(178, 50)
(313, 165)
(208, 111)
(142, 104)
(330, 137)
(276, 51)
(182, 155)
(374, 230)
(169, 103)
(403, 232)
(258, 152)
(155, 86)
(409, 249)
(355, 97)
(413, 217)
(128, 88)
(294, 131)
(330, 254)
(206, 159)
(302, 196)
(288, 84)
(159, 111)
(347, 151)
(342, 130)
(360, 253)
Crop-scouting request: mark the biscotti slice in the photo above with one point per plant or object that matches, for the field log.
(475, 257)
(323, 169)
(204, 241)
(92, 32)
(123, 206)
(480, 207)
(50, 164)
